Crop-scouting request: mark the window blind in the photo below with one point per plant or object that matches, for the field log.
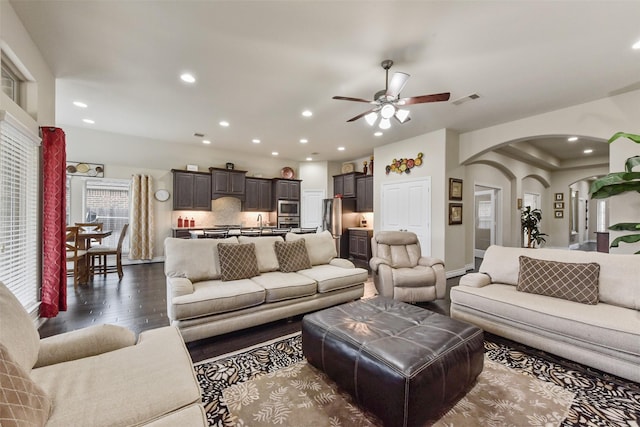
(19, 208)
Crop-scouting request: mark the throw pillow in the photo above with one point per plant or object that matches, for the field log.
(22, 402)
(237, 261)
(571, 281)
(292, 256)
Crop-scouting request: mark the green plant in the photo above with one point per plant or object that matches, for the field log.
(530, 219)
(617, 183)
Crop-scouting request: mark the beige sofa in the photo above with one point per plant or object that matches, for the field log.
(202, 305)
(97, 376)
(605, 335)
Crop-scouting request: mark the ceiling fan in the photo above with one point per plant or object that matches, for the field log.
(387, 101)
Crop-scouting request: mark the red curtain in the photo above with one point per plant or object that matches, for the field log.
(54, 274)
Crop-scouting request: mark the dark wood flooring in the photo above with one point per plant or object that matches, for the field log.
(139, 303)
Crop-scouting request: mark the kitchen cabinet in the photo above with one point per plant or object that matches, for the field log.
(184, 233)
(360, 243)
(191, 190)
(364, 193)
(227, 182)
(286, 189)
(345, 184)
(257, 195)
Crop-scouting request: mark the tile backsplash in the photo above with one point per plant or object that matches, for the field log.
(225, 211)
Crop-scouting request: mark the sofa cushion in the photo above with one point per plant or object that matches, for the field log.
(417, 276)
(398, 248)
(194, 259)
(237, 261)
(265, 251)
(331, 278)
(21, 337)
(320, 246)
(292, 256)
(22, 402)
(281, 286)
(571, 281)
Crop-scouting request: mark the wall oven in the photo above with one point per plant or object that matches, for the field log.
(288, 222)
(288, 208)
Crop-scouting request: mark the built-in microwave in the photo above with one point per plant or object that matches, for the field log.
(288, 208)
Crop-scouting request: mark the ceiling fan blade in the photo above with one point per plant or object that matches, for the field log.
(348, 98)
(397, 84)
(353, 119)
(436, 97)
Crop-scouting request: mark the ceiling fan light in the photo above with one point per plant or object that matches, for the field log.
(402, 115)
(387, 111)
(371, 118)
(384, 124)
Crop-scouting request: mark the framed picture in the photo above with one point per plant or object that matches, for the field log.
(558, 214)
(559, 197)
(455, 213)
(519, 203)
(558, 205)
(455, 189)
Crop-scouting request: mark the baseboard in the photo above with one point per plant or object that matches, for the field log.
(126, 261)
(459, 272)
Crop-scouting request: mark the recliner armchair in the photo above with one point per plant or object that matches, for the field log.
(401, 272)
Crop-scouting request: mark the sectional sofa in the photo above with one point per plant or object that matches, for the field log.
(584, 306)
(215, 286)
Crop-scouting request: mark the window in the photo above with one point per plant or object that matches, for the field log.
(11, 80)
(19, 210)
(107, 201)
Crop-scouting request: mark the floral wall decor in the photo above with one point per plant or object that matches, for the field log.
(403, 165)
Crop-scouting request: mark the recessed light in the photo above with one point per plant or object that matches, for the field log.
(255, 141)
(274, 153)
(307, 113)
(588, 151)
(636, 45)
(80, 104)
(187, 78)
(340, 148)
(572, 139)
(377, 133)
(304, 141)
(309, 159)
(89, 121)
(206, 141)
(224, 123)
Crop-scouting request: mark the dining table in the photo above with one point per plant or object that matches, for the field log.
(85, 239)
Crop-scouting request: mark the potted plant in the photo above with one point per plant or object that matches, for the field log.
(530, 219)
(617, 183)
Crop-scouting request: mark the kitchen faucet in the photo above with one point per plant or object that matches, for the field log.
(259, 220)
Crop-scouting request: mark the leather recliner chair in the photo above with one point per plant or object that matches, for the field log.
(401, 272)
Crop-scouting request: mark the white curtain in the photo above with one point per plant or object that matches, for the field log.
(142, 233)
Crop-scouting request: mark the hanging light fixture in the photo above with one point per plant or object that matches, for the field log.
(371, 118)
(402, 115)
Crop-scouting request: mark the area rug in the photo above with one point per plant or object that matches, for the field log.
(566, 396)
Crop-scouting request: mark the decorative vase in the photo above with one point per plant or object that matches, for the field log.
(371, 165)
(364, 168)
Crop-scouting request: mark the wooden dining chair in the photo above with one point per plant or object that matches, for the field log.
(99, 258)
(87, 227)
(75, 255)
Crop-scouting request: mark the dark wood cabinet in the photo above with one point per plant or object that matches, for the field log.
(227, 182)
(286, 189)
(364, 193)
(360, 244)
(257, 195)
(191, 190)
(345, 184)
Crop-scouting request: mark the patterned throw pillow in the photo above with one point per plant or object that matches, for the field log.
(292, 256)
(571, 281)
(237, 261)
(22, 402)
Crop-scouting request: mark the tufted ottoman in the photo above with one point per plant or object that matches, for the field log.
(405, 364)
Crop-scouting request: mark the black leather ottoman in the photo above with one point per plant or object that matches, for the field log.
(405, 364)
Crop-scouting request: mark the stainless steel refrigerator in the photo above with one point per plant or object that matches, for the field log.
(338, 215)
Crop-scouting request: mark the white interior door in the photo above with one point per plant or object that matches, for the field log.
(406, 206)
(311, 208)
(485, 221)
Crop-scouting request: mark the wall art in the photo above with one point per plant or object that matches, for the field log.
(95, 170)
(403, 165)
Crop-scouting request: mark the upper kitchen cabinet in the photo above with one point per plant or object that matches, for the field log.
(345, 184)
(258, 195)
(191, 190)
(364, 193)
(286, 189)
(227, 182)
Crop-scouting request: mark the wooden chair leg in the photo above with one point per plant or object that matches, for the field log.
(119, 264)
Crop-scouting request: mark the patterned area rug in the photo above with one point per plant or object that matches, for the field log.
(598, 399)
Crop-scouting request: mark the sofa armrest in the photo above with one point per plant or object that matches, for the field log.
(475, 280)
(83, 343)
(428, 261)
(178, 286)
(341, 262)
(376, 262)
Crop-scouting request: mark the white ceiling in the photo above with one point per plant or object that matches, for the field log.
(259, 64)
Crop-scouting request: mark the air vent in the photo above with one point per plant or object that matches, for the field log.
(198, 134)
(466, 99)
